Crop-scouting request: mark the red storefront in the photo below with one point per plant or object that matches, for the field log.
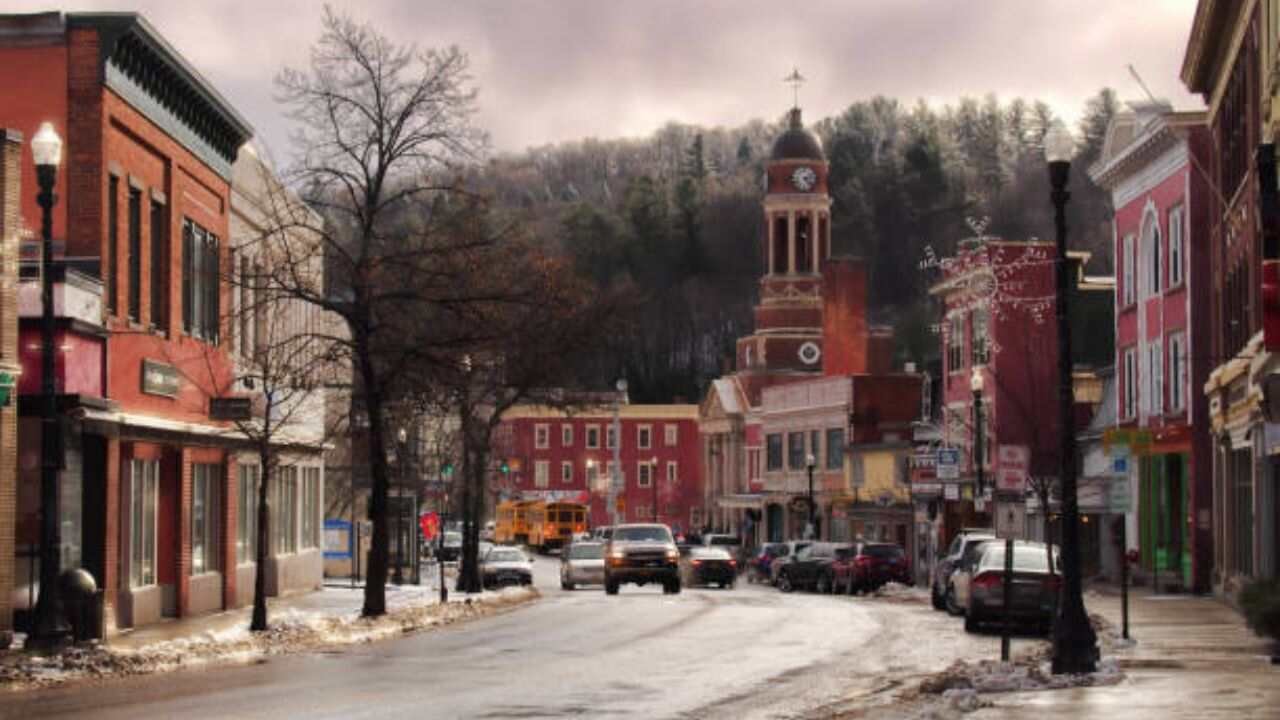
(148, 488)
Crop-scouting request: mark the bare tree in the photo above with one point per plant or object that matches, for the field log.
(378, 125)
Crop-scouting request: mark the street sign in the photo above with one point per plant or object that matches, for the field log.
(1120, 465)
(1011, 471)
(951, 491)
(1119, 499)
(948, 463)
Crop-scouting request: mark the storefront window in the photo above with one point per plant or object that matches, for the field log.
(310, 506)
(204, 517)
(144, 478)
(286, 510)
(1242, 469)
(247, 519)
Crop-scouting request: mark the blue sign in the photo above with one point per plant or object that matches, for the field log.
(337, 540)
(948, 463)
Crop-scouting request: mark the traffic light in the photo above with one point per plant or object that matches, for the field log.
(505, 468)
(447, 470)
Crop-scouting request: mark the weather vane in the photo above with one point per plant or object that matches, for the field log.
(795, 80)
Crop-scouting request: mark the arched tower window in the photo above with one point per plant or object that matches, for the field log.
(804, 244)
(781, 265)
(824, 239)
(1152, 254)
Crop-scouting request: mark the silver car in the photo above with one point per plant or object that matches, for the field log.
(582, 563)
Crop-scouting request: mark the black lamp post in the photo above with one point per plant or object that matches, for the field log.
(979, 444)
(1075, 646)
(653, 480)
(812, 531)
(397, 575)
(49, 627)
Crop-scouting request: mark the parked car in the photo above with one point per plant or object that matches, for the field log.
(758, 567)
(1033, 595)
(706, 565)
(956, 596)
(868, 565)
(721, 539)
(793, 548)
(503, 566)
(945, 564)
(811, 568)
(641, 553)
(602, 533)
(451, 549)
(582, 563)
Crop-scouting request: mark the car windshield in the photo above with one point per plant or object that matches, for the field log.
(651, 533)
(452, 538)
(586, 552)
(723, 540)
(1026, 558)
(499, 555)
(886, 552)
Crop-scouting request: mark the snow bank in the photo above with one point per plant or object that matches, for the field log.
(291, 630)
(898, 591)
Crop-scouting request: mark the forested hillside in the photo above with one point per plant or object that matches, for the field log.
(675, 218)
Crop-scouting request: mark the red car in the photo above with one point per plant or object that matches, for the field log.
(867, 566)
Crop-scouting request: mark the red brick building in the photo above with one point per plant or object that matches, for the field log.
(551, 455)
(1163, 307)
(150, 485)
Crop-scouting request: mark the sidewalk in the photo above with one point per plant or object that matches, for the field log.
(1192, 657)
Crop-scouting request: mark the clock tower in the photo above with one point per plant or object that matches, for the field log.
(796, 241)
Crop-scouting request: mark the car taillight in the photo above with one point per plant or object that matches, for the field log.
(987, 580)
(862, 560)
(696, 561)
(733, 562)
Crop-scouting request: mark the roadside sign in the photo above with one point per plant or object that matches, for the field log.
(948, 463)
(951, 491)
(1014, 463)
(1120, 465)
(1119, 499)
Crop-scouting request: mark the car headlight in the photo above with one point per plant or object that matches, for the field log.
(616, 555)
(673, 554)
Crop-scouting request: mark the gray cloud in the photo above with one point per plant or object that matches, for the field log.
(554, 71)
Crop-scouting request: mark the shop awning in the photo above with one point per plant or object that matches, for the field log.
(742, 502)
(225, 434)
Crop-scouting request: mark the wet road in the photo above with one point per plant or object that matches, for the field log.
(743, 653)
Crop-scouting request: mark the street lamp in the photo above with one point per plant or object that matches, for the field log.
(975, 384)
(1075, 648)
(49, 628)
(615, 478)
(653, 482)
(811, 531)
(397, 576)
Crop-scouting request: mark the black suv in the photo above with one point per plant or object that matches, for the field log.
(811, 569)
(641, 554)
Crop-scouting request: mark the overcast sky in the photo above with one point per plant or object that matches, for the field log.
(551, 71)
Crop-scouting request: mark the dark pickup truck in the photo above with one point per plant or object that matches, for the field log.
(641, 554)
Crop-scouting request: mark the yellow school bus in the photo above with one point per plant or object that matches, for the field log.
(515, 520)
(560, 520)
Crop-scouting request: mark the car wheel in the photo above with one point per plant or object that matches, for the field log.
(610, 587)
(950, 599)
(566, 586)
(675, 586)
(784, 583)
(971, 622)
(936, 598)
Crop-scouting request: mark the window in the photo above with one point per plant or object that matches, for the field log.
(643, 512)
(593, 475)
(1242, 528)
(541, 473)
(310, 507)
(835, 448)
(1151, 255)
(286, 510)
(671, 434)
(795, 450)
(981, 350)
(1175, 246)
(1128, 283)
(645, 474)
(159, 266)
(611, 469)
(1129, 406)
(135, 254)
(541, 437)
(1177, 372)
(774, 452)
(1155, 376)
(113, 243)
(593, 437)
(144, 480)
(200, 297)
(246, 308)
(955, 344)
(815, 444)
(566, 472)
(644, 436)
(673, 472)
(250, 477)
(204, 517)
(566, 436)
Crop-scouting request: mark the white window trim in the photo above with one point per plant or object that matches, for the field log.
(643, 431)
(566, 435)
(1129, 278)
(1177, 247)
(671, 434)
(1177, 360)
(541, 473)
(641, 473)
(566, 472)
(1155, 384)
(1128, 398)
(673, 472)
(1152, 255)
(542, 436)
(596, 444)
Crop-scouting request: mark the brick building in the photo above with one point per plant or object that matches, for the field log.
(150, 487)
(1163, 300)
(11, 227)
(1230, 61)
(553, 455)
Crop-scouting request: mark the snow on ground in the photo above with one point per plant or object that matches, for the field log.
(329, 618)
(898, 591)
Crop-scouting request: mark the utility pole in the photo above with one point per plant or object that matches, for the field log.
(615, 479)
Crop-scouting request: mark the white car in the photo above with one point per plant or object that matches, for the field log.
(504, 566)
(582, 563)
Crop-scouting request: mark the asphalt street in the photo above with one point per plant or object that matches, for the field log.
(750, 652)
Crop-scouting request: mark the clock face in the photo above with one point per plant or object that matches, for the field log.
(804, 178)
(810, 353)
